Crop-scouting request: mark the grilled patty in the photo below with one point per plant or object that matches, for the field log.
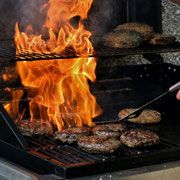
(95, 144)
(137, 138)
(122, 39)
(35, 127)
(162, 39)
(70, 135)
(109, 130)
(145, 30)
(146, 117)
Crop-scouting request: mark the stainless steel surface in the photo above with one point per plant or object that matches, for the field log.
(165, 171)
(175, 87)
(10, 171)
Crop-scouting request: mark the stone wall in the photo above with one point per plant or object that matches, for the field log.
(171, 25)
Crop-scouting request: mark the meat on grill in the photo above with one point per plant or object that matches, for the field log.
(147, 116)
(70, 135)
(162, 39)
(35, 127)
(109, 130)
(145, 30)
(122, 39)
(137, 138)
(96, 144)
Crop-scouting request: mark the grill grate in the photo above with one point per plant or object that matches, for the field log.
(64, 153)
(69, 156)
(46, 156)
(101, 51)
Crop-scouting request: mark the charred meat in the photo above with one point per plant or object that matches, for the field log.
(147, 116)
(122, 39)
(162, 39)
(109, 130)
(96, 144)
(137, 138)
(70, 135)
(145, 30)
(35, 127)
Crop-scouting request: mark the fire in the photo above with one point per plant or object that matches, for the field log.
(13, 107)
(59, 90)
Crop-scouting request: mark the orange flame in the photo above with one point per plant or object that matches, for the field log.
(13, 107)
(59, 90)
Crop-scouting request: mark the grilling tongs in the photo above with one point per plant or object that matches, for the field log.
(138, 111)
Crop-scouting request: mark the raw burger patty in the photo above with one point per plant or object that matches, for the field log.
(109, 130)
(162, 39)
(147, 116)
(70, 135)
(95, 144)
(137, 138)
(122, 39)
(35, 127)
(145, 30)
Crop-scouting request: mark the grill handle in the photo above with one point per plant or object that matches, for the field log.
(175, 87)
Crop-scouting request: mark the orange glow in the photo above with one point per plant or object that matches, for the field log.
(13, 107)
(59, 90)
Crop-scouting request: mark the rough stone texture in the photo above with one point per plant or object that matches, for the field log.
(171, 25)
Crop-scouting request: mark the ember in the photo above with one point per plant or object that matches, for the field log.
(59, 90)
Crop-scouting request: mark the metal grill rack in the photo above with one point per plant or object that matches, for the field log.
(100, 51)
(45, 156)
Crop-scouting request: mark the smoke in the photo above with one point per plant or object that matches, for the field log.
(28, 12)
(105, 15)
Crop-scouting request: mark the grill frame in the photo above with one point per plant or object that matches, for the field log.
(103, 163)
(82, 163)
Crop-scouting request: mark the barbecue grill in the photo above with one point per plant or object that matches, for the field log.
(116, 88)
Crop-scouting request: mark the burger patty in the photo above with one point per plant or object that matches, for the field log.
(95, 144)
(70, 135)
(147, 116)
(122, 39)
(145, 30)
(137, 138)
(162, 39)
(109, 130)
(35, 127)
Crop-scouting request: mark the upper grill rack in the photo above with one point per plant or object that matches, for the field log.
(100, 51)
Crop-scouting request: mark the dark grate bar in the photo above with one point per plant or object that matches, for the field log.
(9, 54)
(53, 150)
(70, 154)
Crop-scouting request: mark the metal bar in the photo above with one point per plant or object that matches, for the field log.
(101, 51)
(8, 130)
(65, 155)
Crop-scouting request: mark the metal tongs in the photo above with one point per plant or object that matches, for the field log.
(139, 110)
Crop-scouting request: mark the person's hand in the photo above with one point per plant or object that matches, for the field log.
(178, 95)
(176, 1)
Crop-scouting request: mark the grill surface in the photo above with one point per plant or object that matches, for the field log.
(116, 88)
(100, 51)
